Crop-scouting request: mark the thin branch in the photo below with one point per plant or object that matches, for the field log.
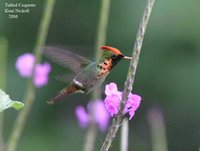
(30, 94)
(124, 136)
(130, 77)
(3, 65)
(101, 39)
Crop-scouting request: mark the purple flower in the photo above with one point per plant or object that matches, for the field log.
(132, 105)
(82, 116)
(112, 104)
(101, 116)
(41, 74)
(24, 64)
(113, 98)
(111, 89)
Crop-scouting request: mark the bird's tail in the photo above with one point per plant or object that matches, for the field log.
(64, 92)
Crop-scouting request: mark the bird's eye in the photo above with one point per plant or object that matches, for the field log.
(114, 56)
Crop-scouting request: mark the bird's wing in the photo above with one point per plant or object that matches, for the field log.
(65, 78)
(65, 58)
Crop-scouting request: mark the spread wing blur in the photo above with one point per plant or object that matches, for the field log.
(66, 58)
(65, 78)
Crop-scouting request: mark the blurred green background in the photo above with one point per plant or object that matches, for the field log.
(167, 75)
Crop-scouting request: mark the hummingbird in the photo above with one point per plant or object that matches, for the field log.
(88, 74)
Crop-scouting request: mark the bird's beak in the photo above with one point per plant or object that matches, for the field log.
(127, 58)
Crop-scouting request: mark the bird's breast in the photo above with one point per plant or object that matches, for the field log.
(104, 67)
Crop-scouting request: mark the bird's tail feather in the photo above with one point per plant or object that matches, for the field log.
(64, 92)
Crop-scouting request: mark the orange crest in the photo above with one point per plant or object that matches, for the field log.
(112, 49)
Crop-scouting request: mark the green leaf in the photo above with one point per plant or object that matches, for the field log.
(17, 105)
(6, 102)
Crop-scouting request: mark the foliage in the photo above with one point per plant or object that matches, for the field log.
(6, 102)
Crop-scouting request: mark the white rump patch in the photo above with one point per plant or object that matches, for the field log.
(78, 83)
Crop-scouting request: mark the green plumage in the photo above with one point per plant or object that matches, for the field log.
(88, 77)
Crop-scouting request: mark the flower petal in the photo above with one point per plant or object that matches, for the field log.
(131, 114)
(111, 89)
(132, 105)
(82, 116)
(101, 115)
(134, 101)
(112, 104)
(41, 74)
(24, 64)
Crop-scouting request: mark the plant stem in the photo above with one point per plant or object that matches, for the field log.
(101, 39)
(3, 65)
(43, 28)
(124, 136)
(130, 76)
(158, 135)
(90, 137)
(30, 93)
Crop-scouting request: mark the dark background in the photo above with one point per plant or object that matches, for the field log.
(167, 75)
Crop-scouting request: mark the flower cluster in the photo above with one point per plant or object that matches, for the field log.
(113, 98)
(24, 66)
(96, 110)
(100, 111)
